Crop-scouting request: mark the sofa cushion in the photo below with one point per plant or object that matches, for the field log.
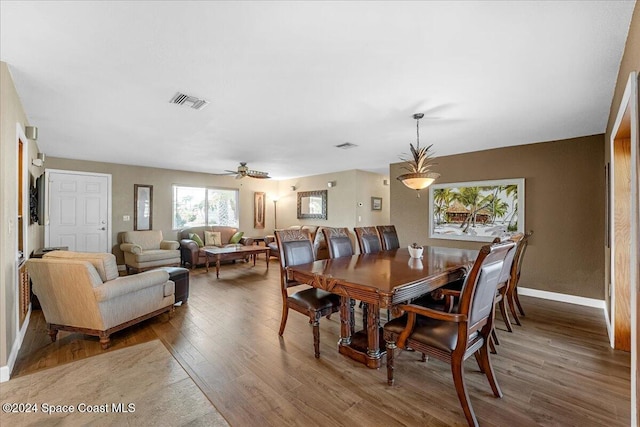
(104, 263)
(196, 238)
(236, 237)
(212, 238)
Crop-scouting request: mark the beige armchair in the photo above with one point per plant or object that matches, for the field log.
(147, 249)
(82, 292)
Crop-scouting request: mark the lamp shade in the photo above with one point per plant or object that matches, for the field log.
(418, 181)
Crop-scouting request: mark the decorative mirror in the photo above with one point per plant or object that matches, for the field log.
(312, 204)
(142, 207)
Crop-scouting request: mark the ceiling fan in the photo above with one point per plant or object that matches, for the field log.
(243, 171)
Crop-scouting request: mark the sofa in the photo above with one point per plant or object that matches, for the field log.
(320, 249)
(193, 254)
(148, 249)
(82, 292)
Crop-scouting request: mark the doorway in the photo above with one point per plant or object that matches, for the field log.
(78, 210)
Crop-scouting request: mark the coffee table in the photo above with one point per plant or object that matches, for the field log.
(235, 252)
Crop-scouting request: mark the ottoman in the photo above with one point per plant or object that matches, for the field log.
(180, 276)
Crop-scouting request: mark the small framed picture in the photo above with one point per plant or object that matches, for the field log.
(376, 203)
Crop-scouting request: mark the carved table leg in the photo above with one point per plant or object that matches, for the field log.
(373, 337)
(345, 321)
(217, 267)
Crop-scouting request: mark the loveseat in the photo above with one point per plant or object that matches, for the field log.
(320, 249)
(193, 254)
(82, 292)
(148, 249)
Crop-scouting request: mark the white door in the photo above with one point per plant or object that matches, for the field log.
(79, 211)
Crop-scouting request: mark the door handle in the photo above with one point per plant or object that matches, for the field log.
(103, 228)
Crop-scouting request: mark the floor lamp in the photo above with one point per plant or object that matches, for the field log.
(275, 214)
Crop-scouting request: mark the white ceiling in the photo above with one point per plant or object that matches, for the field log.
(288, 81)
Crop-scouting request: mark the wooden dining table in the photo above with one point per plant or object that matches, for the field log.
(381, 280)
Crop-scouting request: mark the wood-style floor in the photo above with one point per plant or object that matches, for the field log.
(557, 369)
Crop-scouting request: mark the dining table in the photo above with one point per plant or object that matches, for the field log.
(380, 280)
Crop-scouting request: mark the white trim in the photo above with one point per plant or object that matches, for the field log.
(5, 371)
(554, 296)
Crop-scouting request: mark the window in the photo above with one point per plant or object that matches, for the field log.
(197, 206)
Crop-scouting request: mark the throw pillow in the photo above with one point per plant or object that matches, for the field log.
(196, 239)
(236, 237)
(212, 238)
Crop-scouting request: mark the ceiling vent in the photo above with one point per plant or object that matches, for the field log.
(191, 101)
(346, 145)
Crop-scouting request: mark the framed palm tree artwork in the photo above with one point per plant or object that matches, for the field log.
(478, 210)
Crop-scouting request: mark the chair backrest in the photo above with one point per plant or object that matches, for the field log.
(388, 236)
(480, 286)
(65, 289)
(295, 247)
(518, 258)
(507, 267)
(338, 242)
(368, 240)
(149, 239)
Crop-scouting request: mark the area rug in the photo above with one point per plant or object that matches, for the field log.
(141, 385)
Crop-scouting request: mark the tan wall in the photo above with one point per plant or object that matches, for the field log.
(124, 177)
(371, 185)
(352, 187)
(564, 190)
(11, 114)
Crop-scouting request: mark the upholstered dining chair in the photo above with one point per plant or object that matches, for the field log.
(454, 337)
(368, 240)
(511, 293)
(295, 248)
(338, 242)
(388, 236)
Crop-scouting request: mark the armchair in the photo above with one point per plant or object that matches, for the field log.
(147, 249)
(454, 337)
(82, 292)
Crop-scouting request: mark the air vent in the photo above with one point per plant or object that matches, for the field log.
(346, 145)
(192, 101)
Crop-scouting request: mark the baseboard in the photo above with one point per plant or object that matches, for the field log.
(5, 371)
(554, 296)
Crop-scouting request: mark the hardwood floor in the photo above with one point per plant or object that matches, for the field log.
(556, 369)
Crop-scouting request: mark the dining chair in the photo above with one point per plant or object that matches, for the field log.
(296, 248)
(388, 236)
(368, 240)
(454, 337)
(338, 242)
(512, 288)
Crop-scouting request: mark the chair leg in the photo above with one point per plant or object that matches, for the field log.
(457, 369)
(492, 346)
(105, 340)
(391, 346)
(53, 334)
(505, 316)
(479, 361)
(483, 355)
(283, 320)
(517, 298)
(512, 308)
(495, 336)
(316, 338)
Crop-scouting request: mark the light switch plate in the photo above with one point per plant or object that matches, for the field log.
(126, 218)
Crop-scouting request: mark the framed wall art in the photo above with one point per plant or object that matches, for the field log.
(376, 203)
(477, 211)
(258, 209)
